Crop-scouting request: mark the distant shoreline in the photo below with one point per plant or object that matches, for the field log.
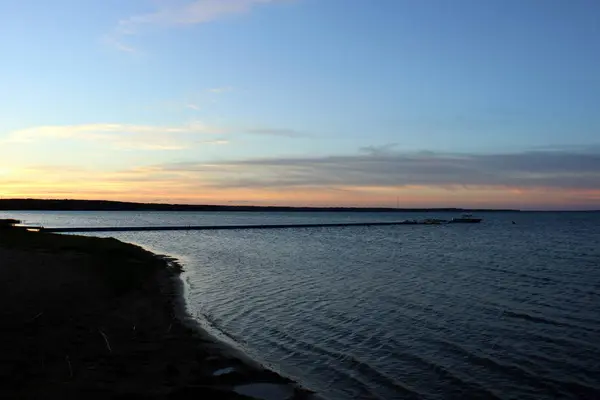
(107, 205)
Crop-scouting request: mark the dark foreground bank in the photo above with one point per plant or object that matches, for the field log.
(98, 317)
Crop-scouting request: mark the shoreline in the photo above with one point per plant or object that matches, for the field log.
(227, 346)
(21, 204)
(234, 356)
(101, 317)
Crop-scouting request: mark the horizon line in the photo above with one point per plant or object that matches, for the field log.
(256, 206)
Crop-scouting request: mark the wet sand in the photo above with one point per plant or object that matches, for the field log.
(99, 318)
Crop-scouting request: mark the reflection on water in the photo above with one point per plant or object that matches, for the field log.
(462, 311)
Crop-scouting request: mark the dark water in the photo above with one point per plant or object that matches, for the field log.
(491, 310)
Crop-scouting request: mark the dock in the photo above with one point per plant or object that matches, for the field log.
(238, 227)
(217, 227)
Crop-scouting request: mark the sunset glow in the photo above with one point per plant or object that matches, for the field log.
(237, 102)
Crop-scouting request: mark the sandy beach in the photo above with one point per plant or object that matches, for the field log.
(101, 318)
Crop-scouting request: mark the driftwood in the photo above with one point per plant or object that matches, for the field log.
(106, 340)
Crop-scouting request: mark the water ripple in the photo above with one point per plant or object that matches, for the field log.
(489, 311)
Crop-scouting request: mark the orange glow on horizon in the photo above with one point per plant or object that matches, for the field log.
(423, 197)
(141, 185)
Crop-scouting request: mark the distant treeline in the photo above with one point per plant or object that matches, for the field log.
(106, 205)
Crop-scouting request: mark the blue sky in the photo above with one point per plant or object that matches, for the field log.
(124, 91)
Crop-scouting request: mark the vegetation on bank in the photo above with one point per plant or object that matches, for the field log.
(134, 263)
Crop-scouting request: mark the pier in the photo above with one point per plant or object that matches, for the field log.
(238, 227)
(217, 227)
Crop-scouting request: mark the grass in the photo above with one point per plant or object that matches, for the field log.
(122, 265)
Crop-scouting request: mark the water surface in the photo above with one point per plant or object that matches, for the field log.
(460, 311)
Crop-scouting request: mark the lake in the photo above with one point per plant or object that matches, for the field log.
(489, 310)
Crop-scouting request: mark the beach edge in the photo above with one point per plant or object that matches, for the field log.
(149, 346)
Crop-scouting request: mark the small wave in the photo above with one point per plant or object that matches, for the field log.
(548, 321)
(355, 315)
(449, 380)
(532, 318)
(517, 373)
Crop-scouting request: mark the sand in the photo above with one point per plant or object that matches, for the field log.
(97, 318)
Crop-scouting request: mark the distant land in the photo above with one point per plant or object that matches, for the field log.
(106, 205)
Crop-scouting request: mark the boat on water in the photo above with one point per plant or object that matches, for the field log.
(465, 219)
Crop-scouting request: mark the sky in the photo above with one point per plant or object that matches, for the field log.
(421, 103)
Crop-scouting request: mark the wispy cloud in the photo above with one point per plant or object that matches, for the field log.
(378, 150)
(116, 40)
(548, 179)
(120, 136)
(282, 132)
(566, 170)
(124, 47)
(139, 137)
(190, 12)
(216, 141)
(181, 13)
(192, 106)
(220, 90)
